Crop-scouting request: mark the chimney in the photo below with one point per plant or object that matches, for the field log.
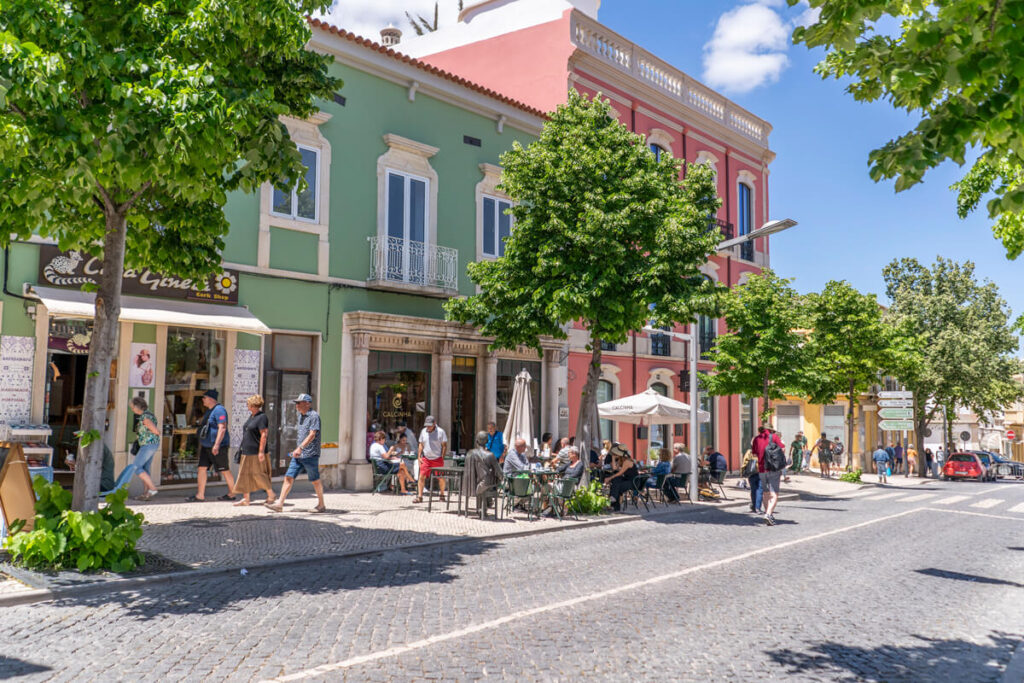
(390, 36)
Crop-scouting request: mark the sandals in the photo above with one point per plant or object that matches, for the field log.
(319, 509)
(241, 503)
(417, 499)
(193, 499)
(441, 497)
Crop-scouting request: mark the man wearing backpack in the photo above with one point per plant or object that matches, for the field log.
(771, 460)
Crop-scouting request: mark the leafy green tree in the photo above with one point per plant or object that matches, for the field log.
(764, 352)
(605, 235)
(850, 347)
(957, 346)
(123, 127)
(956, 66)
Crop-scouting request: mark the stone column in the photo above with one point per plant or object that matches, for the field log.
(491, 388)
(444, 384)
(551, 386)
(358, 474)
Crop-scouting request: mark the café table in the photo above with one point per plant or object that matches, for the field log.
(452, 476)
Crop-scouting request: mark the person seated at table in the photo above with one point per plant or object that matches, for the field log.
(664, 466)
(394, 456)
(621, 480)
(714, 461)
(389, 461)
(546, 447)
(574, 468)
(516, 460)
(679, 473)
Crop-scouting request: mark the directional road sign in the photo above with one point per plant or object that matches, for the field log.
(896, 394)
(896, 413)
(896, 403)
(896, 425)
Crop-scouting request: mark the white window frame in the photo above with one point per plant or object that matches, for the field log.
(294, 215)
(407, 178)
(498, 201)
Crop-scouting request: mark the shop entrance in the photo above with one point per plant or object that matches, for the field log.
(66, 361)
(398, 391)
(463, 403)
(288, 373)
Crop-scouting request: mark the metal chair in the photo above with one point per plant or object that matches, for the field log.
(382, 479)
(658, 488)
(638, 493)
(719, 479)
(559, 494)
(518, 489)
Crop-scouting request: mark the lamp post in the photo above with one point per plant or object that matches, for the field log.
(769, 228)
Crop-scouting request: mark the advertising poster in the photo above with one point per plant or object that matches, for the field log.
(141, 373)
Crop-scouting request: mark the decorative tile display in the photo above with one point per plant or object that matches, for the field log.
(16, 357)
(244, 383)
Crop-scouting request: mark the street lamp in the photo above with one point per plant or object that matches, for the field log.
(769, 228)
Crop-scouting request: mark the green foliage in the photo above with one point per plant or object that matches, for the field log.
(588, 500)
(764, 352)
(66, 539)
(851, 477)
(603, 230)
(154, 111)
(956, 346)
(958, 67)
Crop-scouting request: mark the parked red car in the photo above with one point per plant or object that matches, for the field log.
(964, 466)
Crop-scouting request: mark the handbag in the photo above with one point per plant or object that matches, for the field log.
(750, 469)
(204, 431)
(134, 447)
(238, 457)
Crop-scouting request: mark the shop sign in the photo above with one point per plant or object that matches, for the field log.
(74, 269)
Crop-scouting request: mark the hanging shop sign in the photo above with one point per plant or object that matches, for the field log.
(74, 269)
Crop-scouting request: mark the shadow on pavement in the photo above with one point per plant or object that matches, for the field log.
(972, 578)
(933, 659)
(13, 668)
(716, 516)
(231, 592)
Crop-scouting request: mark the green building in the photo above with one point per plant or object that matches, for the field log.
(336, 291)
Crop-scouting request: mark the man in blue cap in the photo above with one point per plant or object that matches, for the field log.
(214, 442)
(306, 456)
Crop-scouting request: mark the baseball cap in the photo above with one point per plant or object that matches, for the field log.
(211, 393)
(303, 398)
(429, 421)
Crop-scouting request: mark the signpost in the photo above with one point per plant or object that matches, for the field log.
(1010, 435)
(896, 425)
(895, 394)
(896, 403)
(896, 413)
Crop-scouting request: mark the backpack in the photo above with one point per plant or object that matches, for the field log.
(774, 457)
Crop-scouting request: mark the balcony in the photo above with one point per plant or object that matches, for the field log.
(625, 56)
(401, 264)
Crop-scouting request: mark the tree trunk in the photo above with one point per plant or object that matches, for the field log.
(588, 409)
(102, 351)
(849, 429)
(920, 424)
(766, 411)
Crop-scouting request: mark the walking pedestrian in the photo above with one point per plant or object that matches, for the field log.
(433, 444)
(749, 469)
(796, 451)
(824, 448)
(940, 460)
(929, 462)
(771, 460)
(898, 455)
(911, 456)
(306, 456)
(214, 442)
(147, 435)
(881, 459)
(254, 464)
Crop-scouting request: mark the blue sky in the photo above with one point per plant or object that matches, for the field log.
(850, 227)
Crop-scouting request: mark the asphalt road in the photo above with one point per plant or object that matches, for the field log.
(924, 583)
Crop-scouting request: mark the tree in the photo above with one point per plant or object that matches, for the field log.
(850, 347)
(958, 346)
(763, 353)
(605, 235)
(124, 127)
(957, 67)
(422, 26)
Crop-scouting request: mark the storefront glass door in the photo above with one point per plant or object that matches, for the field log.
(463, 404)
(281, 389)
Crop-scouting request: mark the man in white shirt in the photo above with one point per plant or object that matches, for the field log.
(433, 444)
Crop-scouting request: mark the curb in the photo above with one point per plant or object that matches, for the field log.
(122, 585)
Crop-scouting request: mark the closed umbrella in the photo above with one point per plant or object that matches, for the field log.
(519, 424)
(649, 408)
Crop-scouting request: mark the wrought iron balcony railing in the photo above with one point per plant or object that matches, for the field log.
(417, 264)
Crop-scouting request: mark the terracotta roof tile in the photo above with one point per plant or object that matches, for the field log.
(419, 64)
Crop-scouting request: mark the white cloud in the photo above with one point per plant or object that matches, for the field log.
(749, 45)
(367, 17)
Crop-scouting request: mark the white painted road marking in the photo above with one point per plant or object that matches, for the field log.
(920, 496)
(951, 500)
(975, 514)
(987, 503)
(325, 669)
(1018, 508)
(883, 496)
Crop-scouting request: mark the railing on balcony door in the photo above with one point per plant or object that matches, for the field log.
(397, 260)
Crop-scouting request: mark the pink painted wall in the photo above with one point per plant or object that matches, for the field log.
(530, 65)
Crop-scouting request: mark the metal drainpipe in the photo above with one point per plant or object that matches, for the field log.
(635, 429)
(728, 279)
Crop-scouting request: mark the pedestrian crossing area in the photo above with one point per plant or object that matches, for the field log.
(951, 500)
(981, 499)
(987, 503)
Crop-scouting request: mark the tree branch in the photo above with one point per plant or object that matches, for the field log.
(992, 20)
(131, 200)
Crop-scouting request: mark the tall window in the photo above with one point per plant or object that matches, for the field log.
(497, 226)
(609, 346)
(606, 392)
(407, 227)
(746, 220)
(661, 345)
(748, 414)
(658, 152)
(301, 205)
(707, 429)
(706, 334)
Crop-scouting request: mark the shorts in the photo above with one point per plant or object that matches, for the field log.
(218, 462)
(427, 465)
(825, 459)
(311, 466)
(770, 481)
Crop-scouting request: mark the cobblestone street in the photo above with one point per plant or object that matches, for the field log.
(918, 583)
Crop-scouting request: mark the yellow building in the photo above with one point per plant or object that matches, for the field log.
(1013, 419)
(795, 414)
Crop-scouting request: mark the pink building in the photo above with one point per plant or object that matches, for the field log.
(535, 51)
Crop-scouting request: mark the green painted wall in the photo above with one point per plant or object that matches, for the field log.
(144, 334)
(243, 214)
(293, 250)
(249, 342)
(24, 265)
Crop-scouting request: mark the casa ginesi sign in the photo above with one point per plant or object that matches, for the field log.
(74, 269)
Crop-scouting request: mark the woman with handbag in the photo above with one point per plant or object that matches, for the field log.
(254, 464)
(147, 441)
(749, 469)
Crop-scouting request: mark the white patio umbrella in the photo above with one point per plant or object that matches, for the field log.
(649, 408)
(520, 411)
